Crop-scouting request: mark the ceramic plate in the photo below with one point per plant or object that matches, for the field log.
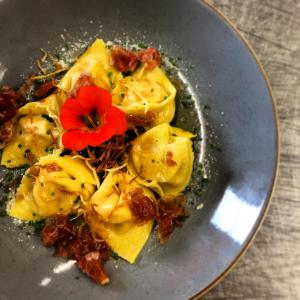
(229, 88)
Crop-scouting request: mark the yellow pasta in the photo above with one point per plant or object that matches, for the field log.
(163, 159)
(111, 218)
(146, 91)
(36, 133)
(55, 185)
(97, 62)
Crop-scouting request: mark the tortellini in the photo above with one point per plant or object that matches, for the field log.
(55, 185)
(163, 158)
(144, 91)
(111, 218)
(95, 61)
(147, 91)
(36, 133)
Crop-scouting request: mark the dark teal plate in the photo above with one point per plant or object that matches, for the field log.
(222, 72)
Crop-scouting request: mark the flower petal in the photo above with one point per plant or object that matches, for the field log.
(117, 119)
(74, 140)
(79, 139)
(94, 98)
(70, 115)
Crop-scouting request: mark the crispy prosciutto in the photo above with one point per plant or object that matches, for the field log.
(169, 216)
(76, 242)
(142, 207)
(125, 60)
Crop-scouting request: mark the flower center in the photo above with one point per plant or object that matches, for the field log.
(92, 120)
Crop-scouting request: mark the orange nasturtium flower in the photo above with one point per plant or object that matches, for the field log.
(90, 119)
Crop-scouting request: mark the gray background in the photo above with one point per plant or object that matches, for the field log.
(271, 268)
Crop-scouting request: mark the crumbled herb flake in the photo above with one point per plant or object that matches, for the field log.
(37, 225)
(57, 55)
(3, 213)
(115, 255)
(215, 146)
(49, 150)
(142, 45)
(20, 146)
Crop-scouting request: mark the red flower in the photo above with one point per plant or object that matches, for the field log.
(90, 119)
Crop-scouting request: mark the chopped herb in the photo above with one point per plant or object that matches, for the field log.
(153, 160)
(115, 255)
(3, 213)
(27, 151)
(173, 61)
(206, 106)
(82, 185)
(128, 73)
(8, 161)
(142, 45)
(122, 95)
(20, 145)
(215, 146)
(8, 177)
(37, 225)
(67, 47)
(28, 233)
(109, 74)
(57, 55)
(48, 131)
(60, 209)
(165, 97)
(34, 214)
(52, 194)
(186, 103)
(188, 189)
(42, 184)
(49, 150)
(20, 132)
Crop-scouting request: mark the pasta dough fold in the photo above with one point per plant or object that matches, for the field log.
(163, 158)
(110, 217)
(55, 185)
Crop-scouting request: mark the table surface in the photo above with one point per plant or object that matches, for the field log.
(271, 268)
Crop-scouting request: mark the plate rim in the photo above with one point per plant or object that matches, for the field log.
(271, 190)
